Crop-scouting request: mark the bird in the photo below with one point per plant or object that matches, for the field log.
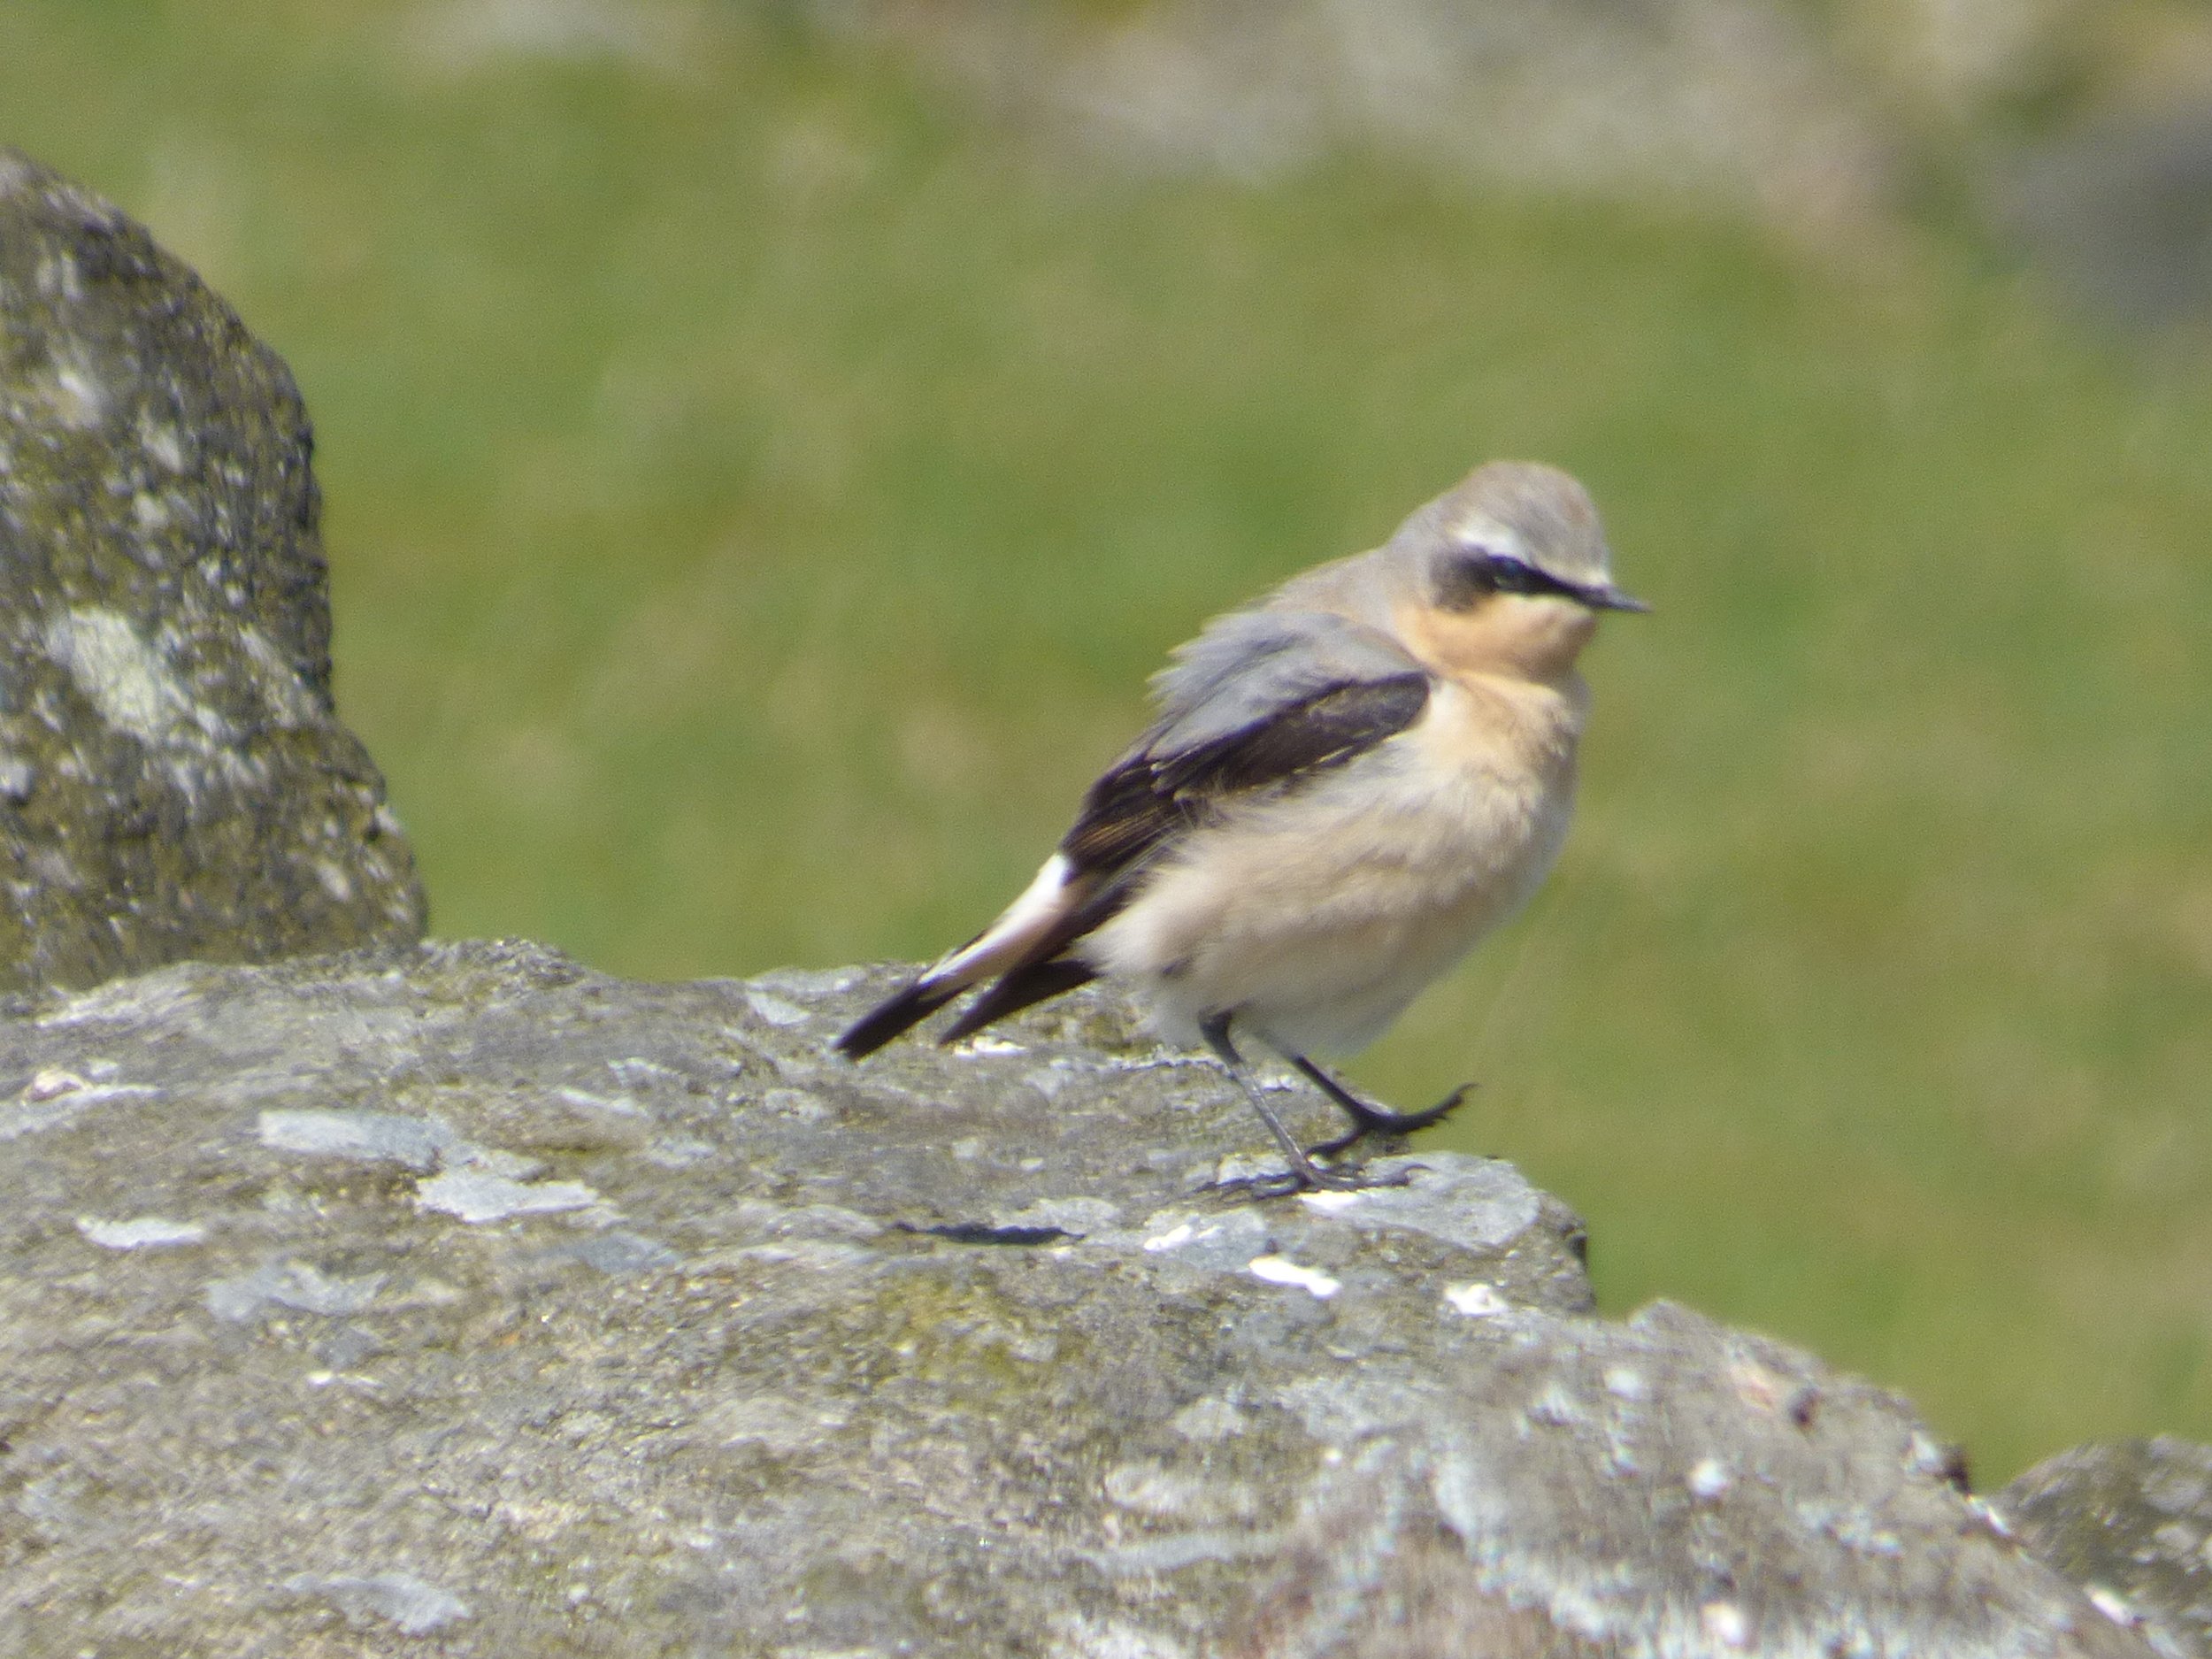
(1346, 783)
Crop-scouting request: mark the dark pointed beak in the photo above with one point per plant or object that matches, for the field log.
(1611, 598)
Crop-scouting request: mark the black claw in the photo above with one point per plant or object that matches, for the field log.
(1288, 1183)
(1369, 1121)
(1387, 1123)
(1258, 1186)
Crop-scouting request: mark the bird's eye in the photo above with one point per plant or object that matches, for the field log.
(1512, 576)
(1478, 572)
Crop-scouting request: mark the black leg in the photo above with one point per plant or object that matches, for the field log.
(1304, 1174)
(1369, 1119)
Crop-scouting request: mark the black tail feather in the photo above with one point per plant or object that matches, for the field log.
(895, 1014)
(1032, 983)
(1043, 972)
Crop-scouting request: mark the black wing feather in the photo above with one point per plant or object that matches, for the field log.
(1149, 795)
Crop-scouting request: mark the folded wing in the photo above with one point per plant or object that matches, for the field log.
(1260, 702)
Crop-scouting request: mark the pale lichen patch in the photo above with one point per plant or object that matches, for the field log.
(290, 702)
(1724, 1622)
(400, 1599)
(163, 441)
(773, 1422)
(118, 672)
(475, 1196)
(808, 984)
(76, 397)
(775, 1010)
(1556, 1407)
(297, 1285)
(1278, 1269)
(1210, 1420)
(58, 277)
(1708, 1478)
(1478, 1301)
(140, 1233)
(1169, 1493)
(1625, 1382)
(1081, 1636)
(369, 1137)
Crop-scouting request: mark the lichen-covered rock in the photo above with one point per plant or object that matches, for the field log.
(173, 781)
(2130, 1524)
(456, 1299)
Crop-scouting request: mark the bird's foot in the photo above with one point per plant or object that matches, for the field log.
(1310, 1179)
(1369, 1121)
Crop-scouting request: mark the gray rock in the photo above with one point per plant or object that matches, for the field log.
(2121, 212)
(457, 1297)
(2130, 1524)
(1742, 102)
(173, 781)
(1840, 123)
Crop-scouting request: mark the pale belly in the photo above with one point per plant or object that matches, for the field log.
(1316, 918)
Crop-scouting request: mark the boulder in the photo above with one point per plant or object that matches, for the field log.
(174, 779)
(2131, 1522)
(2120, 212)
(1739, 102)
(457, 1300)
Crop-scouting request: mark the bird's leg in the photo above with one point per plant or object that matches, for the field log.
(1304, 1173)
(1369, 1119)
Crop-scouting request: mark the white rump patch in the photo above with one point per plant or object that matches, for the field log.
(1020, 924)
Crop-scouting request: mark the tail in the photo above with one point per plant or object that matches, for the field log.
(1033, 982)
(894, 1014)
(1033, 925)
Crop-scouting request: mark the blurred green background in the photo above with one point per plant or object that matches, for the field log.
(761, 470)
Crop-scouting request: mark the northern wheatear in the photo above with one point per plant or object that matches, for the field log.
(1348, 783)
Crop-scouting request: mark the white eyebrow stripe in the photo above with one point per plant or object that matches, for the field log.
(1487, 535)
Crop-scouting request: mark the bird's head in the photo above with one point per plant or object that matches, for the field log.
(1509, 570)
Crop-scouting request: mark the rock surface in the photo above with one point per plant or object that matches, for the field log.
(173, 781)
(456, 1299)
(2131, 1524)
(2122, 212)
(1731, 100)
(2083, 127)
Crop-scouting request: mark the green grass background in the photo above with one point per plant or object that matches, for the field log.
(756, 491)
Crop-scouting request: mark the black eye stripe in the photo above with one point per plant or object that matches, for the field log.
(1469, 579)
